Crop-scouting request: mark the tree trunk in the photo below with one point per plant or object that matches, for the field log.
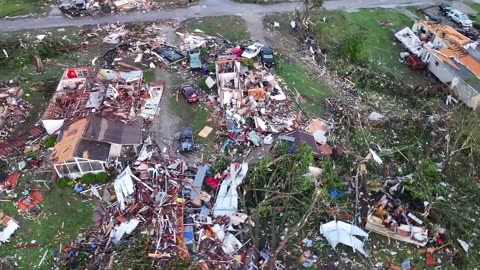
(291, 232)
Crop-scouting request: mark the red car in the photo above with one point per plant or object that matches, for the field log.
(190, 93)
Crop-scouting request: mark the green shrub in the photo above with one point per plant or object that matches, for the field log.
(50, 141)
(32, 154)
(101, 177)
(249, 63)
(65, 182)
(88, 178)
(203, 85)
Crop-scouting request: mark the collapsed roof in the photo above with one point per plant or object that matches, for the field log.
(84, 91)
(91, 137)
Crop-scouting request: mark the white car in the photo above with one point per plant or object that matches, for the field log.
(252, 50)
(458, 17)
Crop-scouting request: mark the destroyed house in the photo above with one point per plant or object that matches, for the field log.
(236, 81)
(85, 144)
(228, 77)
(77, 94)
(452, 57)
(84, 91)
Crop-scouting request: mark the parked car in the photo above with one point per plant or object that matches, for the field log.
(458, 17)
(445, 8)
(190, 93)
(252, 50)
(187, 143)
(268, 59)
(435, 19)
(471, 33)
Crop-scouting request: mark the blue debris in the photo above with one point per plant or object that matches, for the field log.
(307, 242)
(308, 263)
(292, 150)
(406, 265)
(335, 193)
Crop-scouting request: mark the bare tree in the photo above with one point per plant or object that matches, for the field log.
(304, 15)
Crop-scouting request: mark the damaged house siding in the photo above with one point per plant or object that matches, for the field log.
(452, 57)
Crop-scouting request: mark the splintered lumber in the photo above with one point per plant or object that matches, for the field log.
(380, 229)
(183, 250)
(197, 185)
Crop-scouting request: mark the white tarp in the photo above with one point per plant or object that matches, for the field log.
(210, 82)
(11, 227)
(341, 232)
(126, 227)
(123, 187)
(227, 198)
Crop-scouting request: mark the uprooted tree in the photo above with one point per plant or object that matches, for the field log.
(303, 15)
(281, 198)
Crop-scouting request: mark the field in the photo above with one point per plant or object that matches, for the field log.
(22, 7)
(63, 216)
(230, 28)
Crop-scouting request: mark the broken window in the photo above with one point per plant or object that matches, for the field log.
(72, 167)
(82, 73)
(436, 63)
(61, 169)
(427, 58)
(85, 166)
(96, 166)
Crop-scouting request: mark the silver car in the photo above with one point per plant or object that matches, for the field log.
(459, 18)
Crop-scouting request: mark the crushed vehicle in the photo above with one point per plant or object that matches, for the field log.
(190, 93)
(73, 8)
(187, 143)
(195, 61)
(268, 59)
(170, 54)
(253, 50)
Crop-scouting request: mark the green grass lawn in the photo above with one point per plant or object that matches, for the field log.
(376, 27)
(22, 7)
(19, 66)
(195, 115)
(476, 7)
(298, 79)
(62, 217)
(231, 28)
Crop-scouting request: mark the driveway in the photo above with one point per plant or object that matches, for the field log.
(205, 8)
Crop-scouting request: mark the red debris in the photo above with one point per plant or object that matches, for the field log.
(32, 199)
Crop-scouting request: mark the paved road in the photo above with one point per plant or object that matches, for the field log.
(204, 9)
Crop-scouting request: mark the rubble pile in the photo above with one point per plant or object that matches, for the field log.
(76, 8)
(185, 211)
(149, 49)
(112, 94)
(14, 110)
